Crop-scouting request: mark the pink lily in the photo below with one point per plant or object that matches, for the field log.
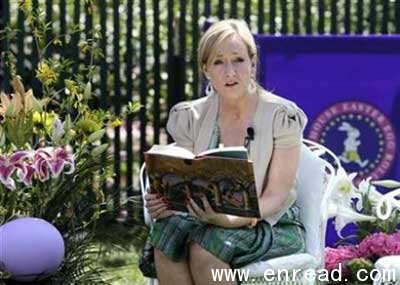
(60, 159)
(9, 164)
(27, 175)
(53, 159)
(40, 163)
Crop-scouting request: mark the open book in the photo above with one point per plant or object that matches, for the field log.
(224, 175)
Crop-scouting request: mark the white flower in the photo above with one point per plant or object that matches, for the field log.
(384, 203)
(340, 193)
(389, 201)
(344, 215)
(58, 129)
(343, 189)
(366, 188)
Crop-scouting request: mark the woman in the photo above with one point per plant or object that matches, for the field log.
(188, 247)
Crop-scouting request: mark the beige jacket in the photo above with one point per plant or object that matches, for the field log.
(278, 123)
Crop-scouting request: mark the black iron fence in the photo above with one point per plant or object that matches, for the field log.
(149, 52)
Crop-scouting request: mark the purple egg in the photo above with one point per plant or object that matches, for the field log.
(30, 249)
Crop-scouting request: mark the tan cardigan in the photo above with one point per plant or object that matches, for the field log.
(278, 123)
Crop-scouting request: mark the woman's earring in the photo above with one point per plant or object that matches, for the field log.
(209, 89)
(252, 88)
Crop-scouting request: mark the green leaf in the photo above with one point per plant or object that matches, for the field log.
(133, 107)
(98, 150)
(19, 130)
(97, 135)
(67, 123)
(37, 105)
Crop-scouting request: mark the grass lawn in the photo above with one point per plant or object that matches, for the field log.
(121, 244)
(122, 267)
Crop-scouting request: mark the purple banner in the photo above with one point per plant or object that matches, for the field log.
(349, 86)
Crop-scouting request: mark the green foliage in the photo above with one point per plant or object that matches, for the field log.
(53, 163)
(369, 207)
(123, 266)
(363, 264)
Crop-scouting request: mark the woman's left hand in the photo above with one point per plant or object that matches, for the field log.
(208, 215)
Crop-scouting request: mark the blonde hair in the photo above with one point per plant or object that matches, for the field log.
(220, 31)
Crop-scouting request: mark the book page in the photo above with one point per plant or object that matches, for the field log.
(171, 150)
(239, 152)
(227, 183)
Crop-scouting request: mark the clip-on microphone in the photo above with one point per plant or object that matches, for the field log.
(249, 137)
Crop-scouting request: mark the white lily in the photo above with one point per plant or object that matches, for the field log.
(365, 187)
(384, 203)
(390, 202)
(344, 215)
(343, 189)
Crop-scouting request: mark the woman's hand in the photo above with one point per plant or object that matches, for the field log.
(157, 207)
(209, 216)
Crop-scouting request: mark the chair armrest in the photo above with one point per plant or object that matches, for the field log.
(389, 263)
(300, 261)
(144, 185)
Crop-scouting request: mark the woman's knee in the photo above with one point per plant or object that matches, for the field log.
(163, 262)
(199, 258)
(160, 257)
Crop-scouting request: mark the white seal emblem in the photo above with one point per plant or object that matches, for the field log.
(361, 135)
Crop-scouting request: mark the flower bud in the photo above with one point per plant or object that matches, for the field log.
(58, 130)
(2, 137)
(388, 183)
(11, 111)
(88, 91)
(17, 85)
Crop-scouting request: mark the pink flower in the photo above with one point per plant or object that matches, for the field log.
(379, 244)
(27, 175)
(394, 243)
(54, 160)
(396, 235)
(339, 255)
(40, 163)
(61, 159)
(10, 164)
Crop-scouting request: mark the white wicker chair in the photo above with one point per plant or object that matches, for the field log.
(313, 179)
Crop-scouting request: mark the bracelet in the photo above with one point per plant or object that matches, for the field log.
(253, 222)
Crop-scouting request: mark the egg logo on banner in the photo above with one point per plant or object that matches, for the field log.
(361, 136)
